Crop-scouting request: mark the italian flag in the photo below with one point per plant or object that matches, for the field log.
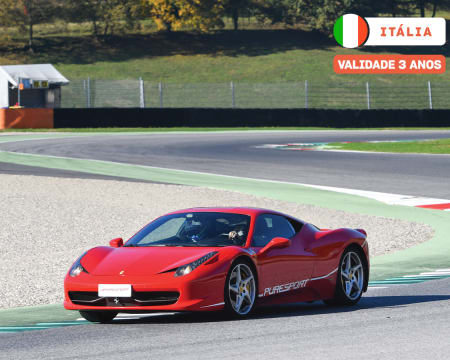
(351, 31)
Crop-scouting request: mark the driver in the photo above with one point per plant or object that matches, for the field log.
(236, 235)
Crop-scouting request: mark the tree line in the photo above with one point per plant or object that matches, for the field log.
(105, 16)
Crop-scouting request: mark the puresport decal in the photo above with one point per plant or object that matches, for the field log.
(285, 287)
(277, 289)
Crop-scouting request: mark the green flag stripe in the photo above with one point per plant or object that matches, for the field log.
(338, 30)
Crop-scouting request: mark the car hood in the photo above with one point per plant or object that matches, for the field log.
(136, 261)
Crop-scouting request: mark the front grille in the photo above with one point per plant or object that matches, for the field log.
(84, 297)
(138, 298)
(156, 297)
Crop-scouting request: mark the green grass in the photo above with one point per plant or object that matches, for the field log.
(199, 129)
(246, 56)
(268, 65)
(422, 147)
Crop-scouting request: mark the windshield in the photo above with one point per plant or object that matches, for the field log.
(194, 229)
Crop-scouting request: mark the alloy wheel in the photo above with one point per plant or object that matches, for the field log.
(242, 289)
(352, 275)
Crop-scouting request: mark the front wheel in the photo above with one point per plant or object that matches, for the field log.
(240, 289)
(350, 279)
(99, 316)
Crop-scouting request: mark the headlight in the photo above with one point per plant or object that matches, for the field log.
(186, 269)
(77, 268)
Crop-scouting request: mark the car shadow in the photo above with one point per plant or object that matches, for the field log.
(289, 310)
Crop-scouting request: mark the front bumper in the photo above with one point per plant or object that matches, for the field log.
(160, 292)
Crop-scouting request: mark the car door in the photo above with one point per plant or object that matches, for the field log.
(280, 270)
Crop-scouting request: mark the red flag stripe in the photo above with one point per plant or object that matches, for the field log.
(363, 31)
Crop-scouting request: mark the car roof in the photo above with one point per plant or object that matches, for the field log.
(252, 211)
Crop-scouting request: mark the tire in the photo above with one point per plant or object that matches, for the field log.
(350, 279)
(99, 316)
(240, 290)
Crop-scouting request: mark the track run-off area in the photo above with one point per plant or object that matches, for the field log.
(402, 316)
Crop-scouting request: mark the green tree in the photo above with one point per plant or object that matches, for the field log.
(25, 14)
(106, 16)
(202, 15)
(322, 14)
(286, 12)
(236, 9)
(431, 5)
(411, 7)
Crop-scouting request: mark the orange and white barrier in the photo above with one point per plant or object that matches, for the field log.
(21, 118)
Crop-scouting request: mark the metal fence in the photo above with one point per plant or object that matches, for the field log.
(91, 93)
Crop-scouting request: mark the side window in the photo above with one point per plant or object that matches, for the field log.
(297, 225)
(268, 226)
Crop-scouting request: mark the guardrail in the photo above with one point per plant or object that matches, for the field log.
(96, 93)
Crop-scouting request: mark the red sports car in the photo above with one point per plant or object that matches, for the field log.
(207, 259)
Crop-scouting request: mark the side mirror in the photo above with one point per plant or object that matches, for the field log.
(275, 243)
(117, 242)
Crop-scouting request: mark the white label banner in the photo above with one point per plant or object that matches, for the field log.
(114, 290)
(406, 31)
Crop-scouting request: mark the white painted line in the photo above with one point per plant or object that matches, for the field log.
(391, 199)
(423, 275)
(22, 327)
(379, 152)
(443, 270)
(376, 287)
(60, 323)
(436, 273)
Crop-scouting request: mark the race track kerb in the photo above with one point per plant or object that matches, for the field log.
(420, 258)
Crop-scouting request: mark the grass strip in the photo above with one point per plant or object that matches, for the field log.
(441, 146)
(31, 315)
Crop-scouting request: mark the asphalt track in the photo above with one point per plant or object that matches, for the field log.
(235, 153)
(397, 322)
(401, 322)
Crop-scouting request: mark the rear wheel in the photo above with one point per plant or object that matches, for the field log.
(350, 279)
(99, 316)
(240, 289)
